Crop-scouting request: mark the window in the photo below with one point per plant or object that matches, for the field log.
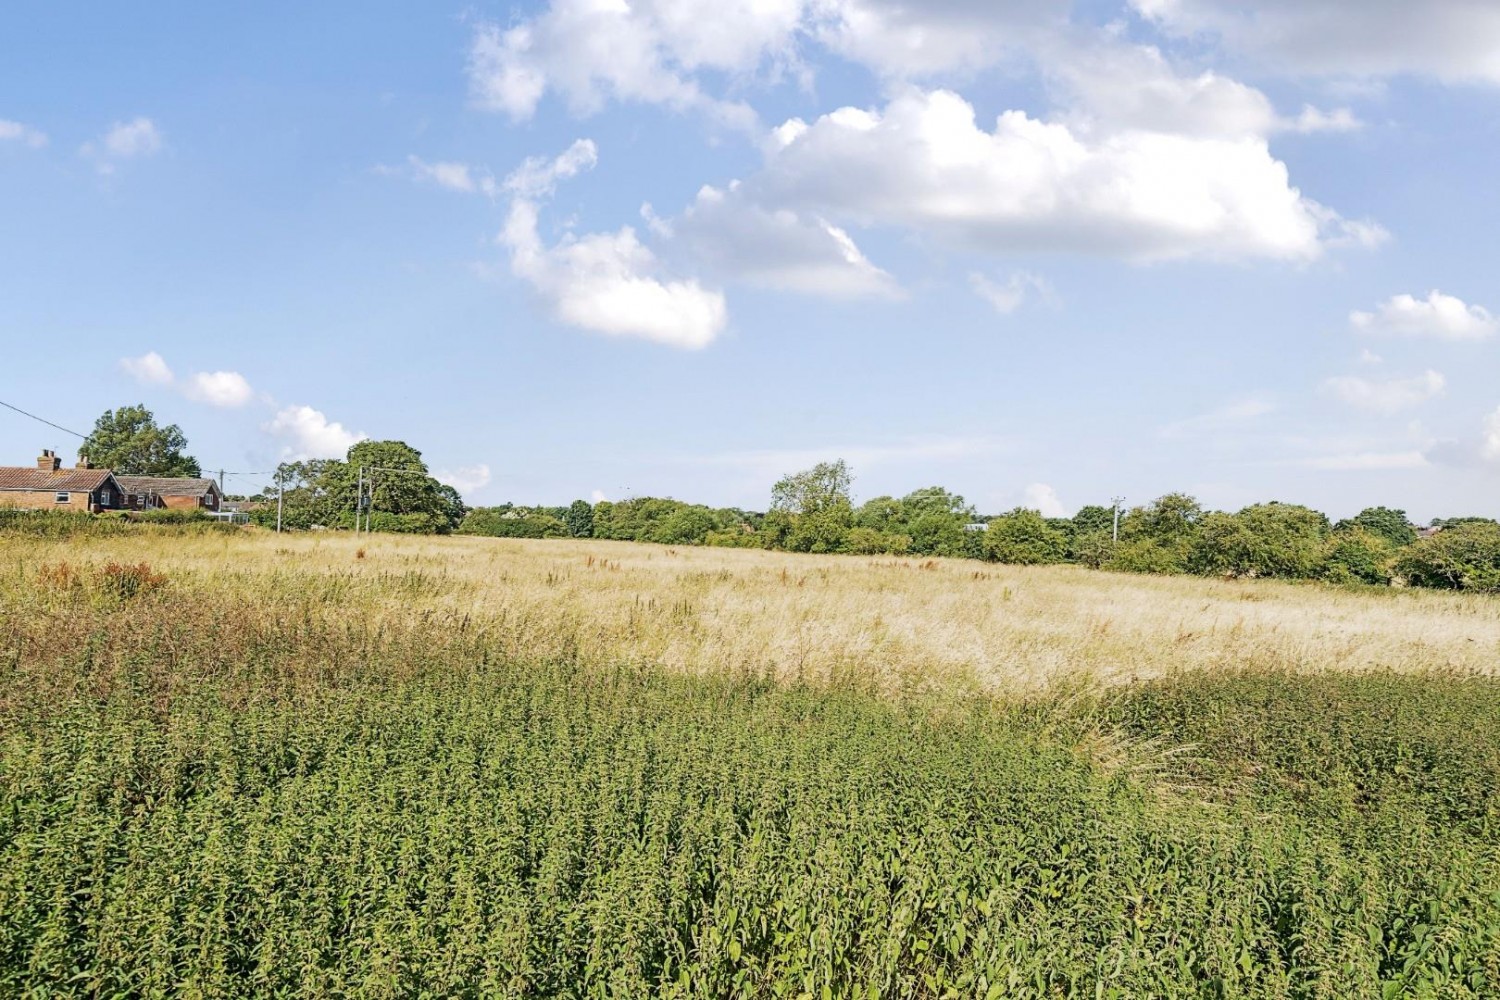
(106, 498)
(64, 497)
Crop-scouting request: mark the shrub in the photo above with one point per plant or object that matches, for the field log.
(1358, 555)
(1466, 557)
(1024, 537)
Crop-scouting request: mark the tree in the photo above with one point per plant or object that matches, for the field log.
(1093, 518)
(1266, 539)
(1025, 538)
(580, 519)
(1392, 525)
(1463, 557)
(128, 441)
(811, 510)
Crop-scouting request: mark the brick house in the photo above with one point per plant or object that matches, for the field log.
(150, 492)
(48, 486)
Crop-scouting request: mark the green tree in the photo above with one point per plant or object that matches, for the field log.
(811, 510)
(580, 519)
(1357, 554)
(1267, 539)
(129, 441)
(1025, 538)
(1463, 557)
(1392, 525)
(1093, 518)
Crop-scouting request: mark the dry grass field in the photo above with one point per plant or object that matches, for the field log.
(902, 622)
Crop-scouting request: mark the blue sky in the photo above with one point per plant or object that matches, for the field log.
(1039, 253)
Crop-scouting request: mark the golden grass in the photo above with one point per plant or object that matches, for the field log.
(903, 622)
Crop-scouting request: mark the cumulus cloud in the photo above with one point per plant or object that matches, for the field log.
(1441, 316)
(1385, 395)
(774, 247)
(610, 283)
(148, 369)
(225, 389)
(307, 433)
(1008, 296)
(24, 134)
(537, 176)
(1449, 39)
(1031, 186)
(1043, 498)
(136, 138)
(466, 478)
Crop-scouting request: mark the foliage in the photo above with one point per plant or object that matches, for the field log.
(811, 510)
(580, 519)
(1269, 539)
(1358, 555)
(509, 521)
(1025, 538)
(1391, 525)
(1093, 519)
(398, 492)
(1465, 557)
(130, 442)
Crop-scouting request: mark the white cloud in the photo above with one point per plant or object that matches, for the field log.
(458, 177)
(1008, 296)
(592, 51)
(466, 478)
(1030, 186)
(774, 248)
(1043, 498)
(1367, 461)
(606, 282)
(24, 134)
(307, 434)
(1369, 357)
(1438, 315)
(148, 369)
(597, 496)
(226, 389)
(901, 39)
(123, 141)
(1316, 120)
(1385, 395)
(1449, 39)
(537, 176)
(1489, 447)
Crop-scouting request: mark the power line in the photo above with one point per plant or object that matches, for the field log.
(44, 420)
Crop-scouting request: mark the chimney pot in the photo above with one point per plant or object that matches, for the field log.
(48, 461)
(83, 461)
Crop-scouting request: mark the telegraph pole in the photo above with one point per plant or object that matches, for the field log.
(280, 489)
(1117, 502)
(359, 498)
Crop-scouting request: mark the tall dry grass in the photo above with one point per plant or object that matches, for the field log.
(904, 623)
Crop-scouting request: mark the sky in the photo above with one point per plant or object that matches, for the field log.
(1040, 253)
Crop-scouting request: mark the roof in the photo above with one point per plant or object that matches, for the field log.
(13, 477)
(166, 487)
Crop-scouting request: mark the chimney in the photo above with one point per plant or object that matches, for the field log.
(83, 461)
(48, 461)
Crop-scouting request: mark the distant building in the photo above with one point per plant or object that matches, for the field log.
(152, 492)
(48, 486)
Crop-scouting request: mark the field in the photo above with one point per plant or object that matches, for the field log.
(234, 764)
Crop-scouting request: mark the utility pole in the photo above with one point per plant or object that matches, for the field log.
(280, 489)
(359, 498)
(1117, 502)
(221, 482)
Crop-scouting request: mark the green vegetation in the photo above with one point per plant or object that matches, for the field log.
(399, 494)
(129, 441)
(256, 792)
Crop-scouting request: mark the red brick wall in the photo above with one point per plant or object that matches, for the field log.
(40, 500)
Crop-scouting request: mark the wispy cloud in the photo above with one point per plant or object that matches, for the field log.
(24, 134)
(134, 139)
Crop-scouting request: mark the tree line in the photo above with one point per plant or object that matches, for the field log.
(814, 511)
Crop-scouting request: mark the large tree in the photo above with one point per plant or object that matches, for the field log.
(811, 510)
(129, 441)
(398, 491)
